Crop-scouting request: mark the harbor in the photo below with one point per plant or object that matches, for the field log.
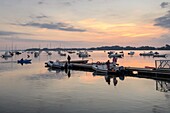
(161, 69)
(35, 86)
(85, 56)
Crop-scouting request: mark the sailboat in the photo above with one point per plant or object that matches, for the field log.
(7, 54)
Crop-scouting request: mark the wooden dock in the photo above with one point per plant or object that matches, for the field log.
(160, 71)
(165, 73)
(144, 72)
(131, 70)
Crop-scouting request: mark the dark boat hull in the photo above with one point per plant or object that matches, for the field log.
(24, 61)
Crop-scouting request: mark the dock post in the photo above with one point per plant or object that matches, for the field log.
(156, 64)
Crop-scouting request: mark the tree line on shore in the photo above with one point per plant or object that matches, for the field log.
(116, 47)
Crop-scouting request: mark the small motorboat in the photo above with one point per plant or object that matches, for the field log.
(83, 54)
(58, 65)
(49, 64)
(7, 55)
(131, 53)
(115, 55)
(156, 53)
(18, 53)
(36, 54)
(61, 64)
(110, 52)
(159, 55)
(49, 53)
(71, 52)
(102, 68)
(62, 54)
(147, 54)
(24, 61)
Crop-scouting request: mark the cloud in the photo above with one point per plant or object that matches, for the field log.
(39, 17)
(73, 2)
(54, 26)
(162, 40)
(163, 21)
(8, 33)
(41, 2)
(42, 16)
(165, 4)
(67, 3)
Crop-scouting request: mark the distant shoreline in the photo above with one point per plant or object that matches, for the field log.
(103, 48)
(166, 47)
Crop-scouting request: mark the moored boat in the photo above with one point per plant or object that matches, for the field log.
(62, 63)
(131, 53)
(160, 55)
(7, 55)
(147, 54)
(58, 65)
(115, 55)
(83, 54)
(18, 53)
(24, 61)
(102, 68)
(62, 54)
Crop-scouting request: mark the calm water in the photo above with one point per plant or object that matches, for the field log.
(35, 89)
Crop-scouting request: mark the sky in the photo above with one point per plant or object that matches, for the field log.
(84, 23)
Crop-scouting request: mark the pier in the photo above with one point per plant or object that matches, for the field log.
(160, 71)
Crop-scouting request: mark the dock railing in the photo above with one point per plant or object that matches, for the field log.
(162, 64)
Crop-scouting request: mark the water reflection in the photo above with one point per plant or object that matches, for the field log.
(32, 88)
(162, 86)
(108, 80)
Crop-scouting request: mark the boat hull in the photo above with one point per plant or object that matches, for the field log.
(164, 55)
(24, 61)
